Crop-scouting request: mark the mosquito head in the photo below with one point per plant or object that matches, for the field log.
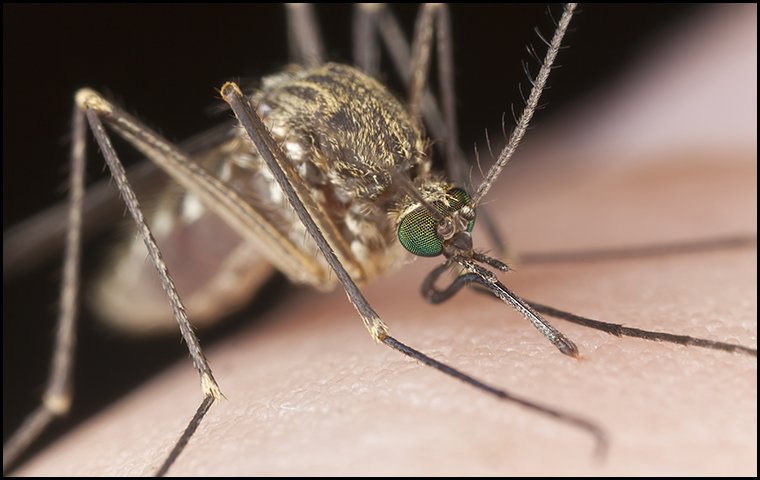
(443, 226)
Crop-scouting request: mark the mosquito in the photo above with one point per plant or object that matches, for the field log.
(448, 210)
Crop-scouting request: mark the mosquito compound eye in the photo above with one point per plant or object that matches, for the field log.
(417, 233)
(418, 230)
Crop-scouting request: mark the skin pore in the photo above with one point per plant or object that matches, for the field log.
(308, 392)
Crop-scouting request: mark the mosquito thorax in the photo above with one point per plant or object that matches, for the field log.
(348, 138)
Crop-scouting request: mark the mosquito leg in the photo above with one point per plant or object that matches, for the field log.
(484, 278)
(434, 295)
(273, 157)
(641, 251)
(216, 195)
(420, 61)
(398, 49)
(623, 331)
(366, 52)
(186, 435)
(421, 47)
(454, 158)
(93, 108)
(600, 438)
(442, 126)
(304, 39)
(56, 400)
(58, 392)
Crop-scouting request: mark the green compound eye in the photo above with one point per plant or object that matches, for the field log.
(417, 230)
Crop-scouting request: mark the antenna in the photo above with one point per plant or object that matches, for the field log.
(530, 106)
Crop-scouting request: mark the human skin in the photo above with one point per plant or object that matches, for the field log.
(308, 392)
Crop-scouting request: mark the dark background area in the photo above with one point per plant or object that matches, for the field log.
(164, 63)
